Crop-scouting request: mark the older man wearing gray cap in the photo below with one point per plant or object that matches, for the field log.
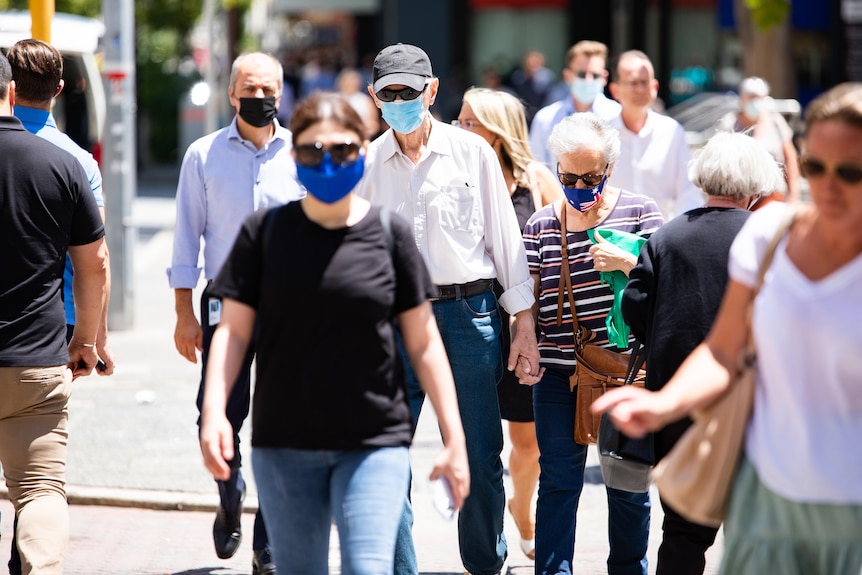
(448, 183)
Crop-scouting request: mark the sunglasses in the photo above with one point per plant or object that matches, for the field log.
(466, 124)
(407, 94)
(847, 173)
(589, 180)
(311, 155)
(584, 75)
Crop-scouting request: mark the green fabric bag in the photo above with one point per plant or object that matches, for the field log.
(618, 331)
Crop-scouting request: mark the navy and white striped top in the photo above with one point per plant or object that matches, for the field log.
(632, 213)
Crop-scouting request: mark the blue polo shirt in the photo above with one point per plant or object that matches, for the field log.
(42, 124)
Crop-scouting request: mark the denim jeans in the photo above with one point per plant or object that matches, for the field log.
(470, 328)
(561, 480)
(231, 490)
(301, 491)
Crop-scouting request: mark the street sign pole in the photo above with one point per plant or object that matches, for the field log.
(119, 173)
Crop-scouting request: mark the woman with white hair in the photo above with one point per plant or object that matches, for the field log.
(796, 502)
(757, 118)
(674, 292)
(586, 149)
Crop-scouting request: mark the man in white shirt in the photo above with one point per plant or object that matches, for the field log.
(654, 155)
(447, 182)
(586, 77)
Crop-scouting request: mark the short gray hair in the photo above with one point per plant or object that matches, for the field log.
(585, 131)
(736, 166)
(234, 69)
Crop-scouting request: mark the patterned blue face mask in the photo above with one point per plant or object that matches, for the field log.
(330, 182)
(403, 116)
(582, 199)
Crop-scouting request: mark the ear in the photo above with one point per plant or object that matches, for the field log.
(568, 77)
(59, 87)
(432, 91)
(614, 88)
(373, 96)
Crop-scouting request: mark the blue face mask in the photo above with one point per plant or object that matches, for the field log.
(585, 91)
(330, 182)
(404, 116)
(582, 199)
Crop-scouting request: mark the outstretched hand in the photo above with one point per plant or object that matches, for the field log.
(633, 410)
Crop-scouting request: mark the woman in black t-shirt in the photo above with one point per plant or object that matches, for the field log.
(322, 280)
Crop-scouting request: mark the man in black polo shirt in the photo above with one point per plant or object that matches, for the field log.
(46, 209)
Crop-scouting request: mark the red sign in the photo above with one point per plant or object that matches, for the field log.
(484, 4)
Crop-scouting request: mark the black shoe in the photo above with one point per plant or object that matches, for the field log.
(227, 530)
(261, 563)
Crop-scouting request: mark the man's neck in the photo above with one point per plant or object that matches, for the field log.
(580, 106)
(257, 136)
(44, 106)
(413, 144)
(634, 119)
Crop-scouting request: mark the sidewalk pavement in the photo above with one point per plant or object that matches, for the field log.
(141, 501)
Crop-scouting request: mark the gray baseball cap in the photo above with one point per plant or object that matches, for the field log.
(401, 64)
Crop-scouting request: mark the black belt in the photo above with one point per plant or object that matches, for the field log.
(457, 291)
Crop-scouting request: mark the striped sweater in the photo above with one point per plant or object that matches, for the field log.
(632, 213)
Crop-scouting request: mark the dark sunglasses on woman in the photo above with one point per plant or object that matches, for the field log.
(589, 180)
(814, 168)
(311, 155)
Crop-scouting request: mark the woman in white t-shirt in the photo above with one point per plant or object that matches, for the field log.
(796, 505)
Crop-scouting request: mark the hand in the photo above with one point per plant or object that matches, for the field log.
(82, 358)
(107, 356)
(216, 440)
(451, 463)
(609, 258)
(188, 336)
(633, 410)
(524, 351)
(523, 370)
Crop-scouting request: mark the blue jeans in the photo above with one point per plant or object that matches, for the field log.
(470, 328)
(231, 490)
(301, 491)
(561, 480)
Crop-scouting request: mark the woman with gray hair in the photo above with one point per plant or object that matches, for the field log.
(586, 149)
(674, 293)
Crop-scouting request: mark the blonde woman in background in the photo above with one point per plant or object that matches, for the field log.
(499, 118)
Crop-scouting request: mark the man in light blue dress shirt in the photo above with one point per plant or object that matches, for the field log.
(225, 176)
(585, 76)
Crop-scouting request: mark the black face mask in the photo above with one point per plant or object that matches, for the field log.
(258, 112)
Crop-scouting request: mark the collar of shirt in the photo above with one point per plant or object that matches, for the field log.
(34, 116)
(280, 133)
(438, 143)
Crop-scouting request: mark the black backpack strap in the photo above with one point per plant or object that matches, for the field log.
(386, 222)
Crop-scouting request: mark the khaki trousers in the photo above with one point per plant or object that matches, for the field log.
(33, 435)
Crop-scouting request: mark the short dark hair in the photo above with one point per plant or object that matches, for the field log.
(37, 68)
(5, 76)
(323, 106)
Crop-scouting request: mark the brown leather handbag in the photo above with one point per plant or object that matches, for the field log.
(597, 368)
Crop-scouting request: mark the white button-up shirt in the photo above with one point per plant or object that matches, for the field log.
(223, 179)
(456, 198)
(654, 162)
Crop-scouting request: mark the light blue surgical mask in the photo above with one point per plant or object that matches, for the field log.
(752, 109)
(404, 116)
(585, 91)
(582, 199)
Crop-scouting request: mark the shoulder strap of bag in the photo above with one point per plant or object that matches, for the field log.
(747, 358)
(566, 277)
(386, 222)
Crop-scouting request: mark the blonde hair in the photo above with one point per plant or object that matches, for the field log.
(842, 103)
(588, 48)
(502, 114)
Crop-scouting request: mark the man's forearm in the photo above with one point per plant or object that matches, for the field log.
(89, 288)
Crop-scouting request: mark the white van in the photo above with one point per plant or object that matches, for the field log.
(80, 107)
